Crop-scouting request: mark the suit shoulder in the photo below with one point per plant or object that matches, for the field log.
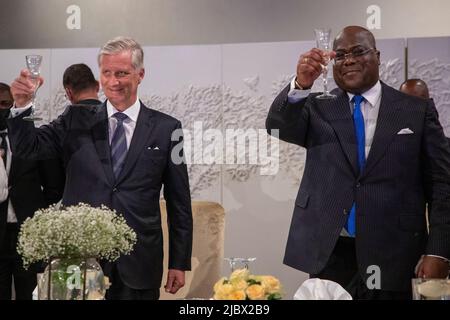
(82, 108)
(411, 101)
(164, 117)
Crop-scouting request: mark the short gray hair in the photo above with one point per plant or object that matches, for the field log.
(120, 44)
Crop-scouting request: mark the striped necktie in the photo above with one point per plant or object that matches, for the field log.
(119, 144)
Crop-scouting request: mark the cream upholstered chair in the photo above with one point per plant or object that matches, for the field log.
(207, 251)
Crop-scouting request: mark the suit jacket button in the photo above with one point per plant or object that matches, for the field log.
(115, 190)
(358, 185)
(345, 212)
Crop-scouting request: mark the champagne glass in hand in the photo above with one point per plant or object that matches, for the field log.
(34, 66)
(323, 42)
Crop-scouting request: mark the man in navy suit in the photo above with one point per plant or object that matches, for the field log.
(119, 154)
(375, 158)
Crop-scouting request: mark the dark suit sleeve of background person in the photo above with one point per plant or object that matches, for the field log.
(179, 212)
(437, 175)
(30, 143)
(290, 119)
(52, 179)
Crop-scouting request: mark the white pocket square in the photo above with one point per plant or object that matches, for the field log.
(155, 148)
(405, 131)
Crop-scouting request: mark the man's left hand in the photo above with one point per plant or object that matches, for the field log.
(433, 267)
(175, 280)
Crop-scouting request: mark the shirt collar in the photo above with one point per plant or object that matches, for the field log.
(372, 95)
(132, 112)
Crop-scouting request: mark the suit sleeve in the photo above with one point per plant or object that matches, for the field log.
(52, 179)
(30, 143)
(290, 119)
(437, 182)
(178, 201)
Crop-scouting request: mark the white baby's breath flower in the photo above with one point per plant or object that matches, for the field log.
(76, 231)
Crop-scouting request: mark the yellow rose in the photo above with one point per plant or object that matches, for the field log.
(239, 274)
(239, 284)
(237, 295)
(222, 291)
(271, 284)
(219, 283)
(255, 292)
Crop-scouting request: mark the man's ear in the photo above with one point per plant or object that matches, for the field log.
(97, 86)
(141, 75)
(69, 94)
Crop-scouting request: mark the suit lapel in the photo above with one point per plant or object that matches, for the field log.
(338, 113)
(389, 122)
(144, 127)
(100, 136)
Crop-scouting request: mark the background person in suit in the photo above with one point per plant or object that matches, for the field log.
(120, 154)
(80, 84)
(28, 185)
(375, 156)
(418, 88)
(415, 87)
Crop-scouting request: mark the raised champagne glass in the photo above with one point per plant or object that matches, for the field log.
(323, 42)
(34, 66)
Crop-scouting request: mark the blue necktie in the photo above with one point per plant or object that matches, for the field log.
(118, 144)
(358, 121)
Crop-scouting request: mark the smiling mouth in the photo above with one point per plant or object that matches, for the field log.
(350, 72)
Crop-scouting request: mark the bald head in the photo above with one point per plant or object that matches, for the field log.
(356, 30)
(415, 87)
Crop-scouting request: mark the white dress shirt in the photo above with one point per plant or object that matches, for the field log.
(11, 217)
(128, 125)
(3, 179)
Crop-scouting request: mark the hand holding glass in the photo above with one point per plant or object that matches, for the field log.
(323, 42)
(34, 66)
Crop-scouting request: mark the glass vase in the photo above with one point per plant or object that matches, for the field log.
(73, 279)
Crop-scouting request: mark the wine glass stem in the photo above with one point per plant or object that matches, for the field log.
(33, 97)
(325, 79)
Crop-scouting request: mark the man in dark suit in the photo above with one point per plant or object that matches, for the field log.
(30, 185)
(375, 157)
(80, 84)
(119, 154)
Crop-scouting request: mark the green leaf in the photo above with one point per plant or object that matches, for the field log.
(275, 296)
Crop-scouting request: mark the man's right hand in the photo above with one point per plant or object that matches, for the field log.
(23, 87)
(309, 66)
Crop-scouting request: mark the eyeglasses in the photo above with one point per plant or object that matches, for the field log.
(357, 52)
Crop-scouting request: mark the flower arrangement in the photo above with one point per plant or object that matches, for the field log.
(241, 285)
(73, 232)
